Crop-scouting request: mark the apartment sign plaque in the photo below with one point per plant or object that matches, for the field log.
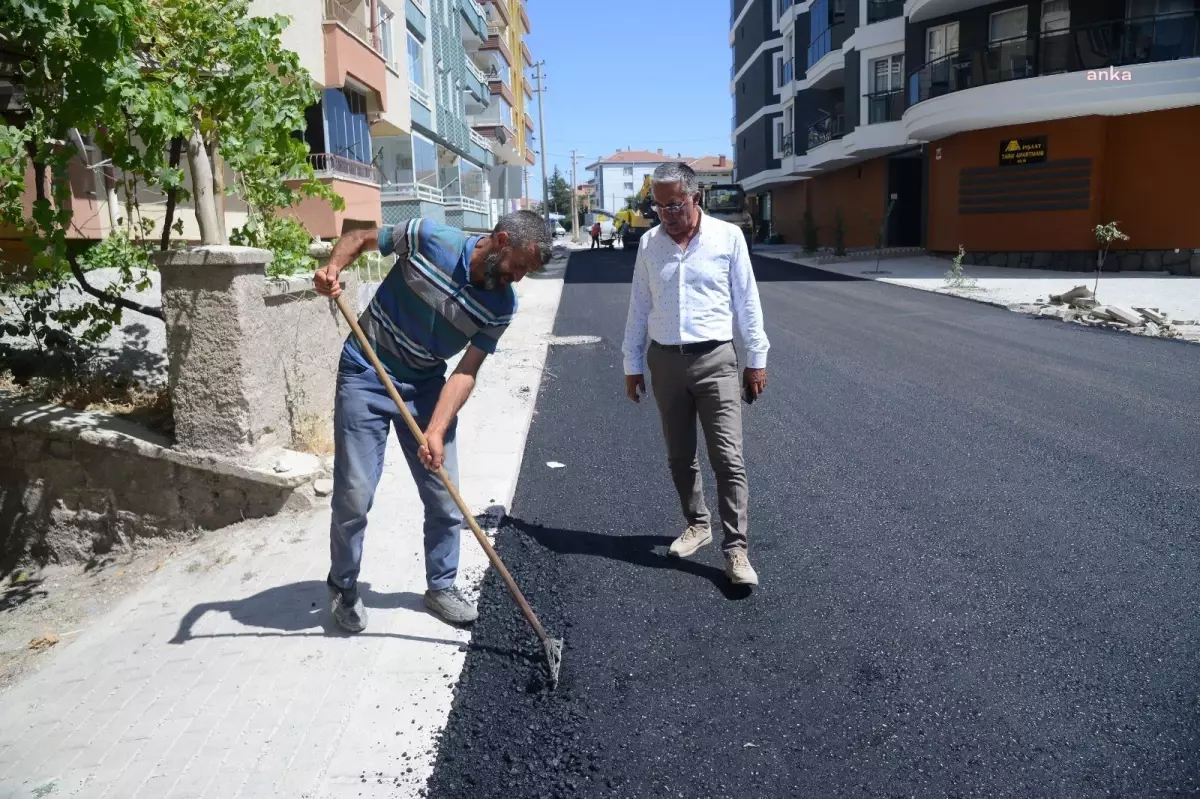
(1023, 151)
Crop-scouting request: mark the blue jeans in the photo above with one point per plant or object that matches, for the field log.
(363, 414)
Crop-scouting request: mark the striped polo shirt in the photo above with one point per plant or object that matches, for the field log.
(426, 310)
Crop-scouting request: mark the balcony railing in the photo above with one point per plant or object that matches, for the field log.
(786, 71)
(826, 129)
(787, 145)
(1092, 47)
(821, 46)
(474, 69)
(479, 140)
(885, 106)
(474, 6)
(348, 19)
(494, 30)
(880, 10)
(420, 95)
(467, 204)
(328, 165)
(413, 191)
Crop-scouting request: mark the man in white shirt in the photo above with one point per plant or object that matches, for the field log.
(692, 280)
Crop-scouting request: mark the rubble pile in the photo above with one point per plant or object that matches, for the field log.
(1080, 306)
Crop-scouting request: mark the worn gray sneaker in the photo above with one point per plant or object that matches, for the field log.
(348, 609)
(691, 541)
(449, 605)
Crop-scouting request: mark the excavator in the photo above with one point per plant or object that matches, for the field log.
(726, 202)
(633, 222)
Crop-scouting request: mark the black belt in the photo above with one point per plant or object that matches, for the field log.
(694, 348)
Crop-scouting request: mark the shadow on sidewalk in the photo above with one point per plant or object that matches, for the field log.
(300, 609)
(638, 550)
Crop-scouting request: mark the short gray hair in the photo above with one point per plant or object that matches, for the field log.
(525, 228)
(672, 173)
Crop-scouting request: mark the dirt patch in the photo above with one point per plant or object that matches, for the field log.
(43, 611)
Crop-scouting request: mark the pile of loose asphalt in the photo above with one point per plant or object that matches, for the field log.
(977, 539)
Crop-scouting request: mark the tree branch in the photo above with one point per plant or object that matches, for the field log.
(116, 300)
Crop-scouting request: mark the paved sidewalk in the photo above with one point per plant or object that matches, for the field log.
(1179, 297)
(222, 677)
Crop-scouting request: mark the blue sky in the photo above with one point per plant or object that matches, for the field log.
(638, 74)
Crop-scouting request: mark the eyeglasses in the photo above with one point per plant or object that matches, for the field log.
(673, 208)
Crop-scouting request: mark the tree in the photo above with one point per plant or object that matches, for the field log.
(147, 83)
(1105, 236)
(560, 193)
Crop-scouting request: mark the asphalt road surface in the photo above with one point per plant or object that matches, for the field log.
(978, 536)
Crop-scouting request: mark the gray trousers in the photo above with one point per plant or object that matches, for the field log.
(706, 385)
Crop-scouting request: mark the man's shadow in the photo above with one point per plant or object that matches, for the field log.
(638, 550)
(299, 609)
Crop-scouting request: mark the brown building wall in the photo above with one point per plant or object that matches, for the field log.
(858, 191)
(363, 209)
(1152, 184)
(1145, 169)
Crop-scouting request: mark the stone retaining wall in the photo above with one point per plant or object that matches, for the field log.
(75, 485)
(1176, 262)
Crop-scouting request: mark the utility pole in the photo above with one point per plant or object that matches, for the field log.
(574, 198)
(525, 172)
(542, 139)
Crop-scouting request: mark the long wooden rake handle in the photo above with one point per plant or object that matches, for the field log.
(530, 616)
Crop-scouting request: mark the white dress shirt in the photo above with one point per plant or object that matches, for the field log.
(682, 296)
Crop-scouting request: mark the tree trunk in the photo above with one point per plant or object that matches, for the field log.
(202, 189)
(219, 187)
(172, 194)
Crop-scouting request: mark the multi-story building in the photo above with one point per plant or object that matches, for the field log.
(712, 169)
(1005, 127)
(469, 126)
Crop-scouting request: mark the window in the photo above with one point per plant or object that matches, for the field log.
(1007, 25)
(887, 74)
(416, 61)
(629, 186)
(1056, 15)
(941, 41)
(628, 171)
(425, 161)
(346, 121)
(386, 33)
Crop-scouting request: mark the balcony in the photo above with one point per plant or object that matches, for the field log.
(497, 13)
(497, 41)
(525, 20)
(1120, 43)
(883, 10)
(787, 145)
(885, 106)
(346, 17)
(329, 166)
(830, 127)
(525, 54)
(826, 65)
(477, 82)
(412, 191)
(1123, 66)
(466, 204)
(474, 20)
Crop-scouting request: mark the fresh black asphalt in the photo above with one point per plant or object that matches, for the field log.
(978, 535)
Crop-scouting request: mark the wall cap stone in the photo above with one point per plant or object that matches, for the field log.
(214, 255)
(277, 467)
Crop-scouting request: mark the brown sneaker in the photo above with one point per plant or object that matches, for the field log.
(738, 568)
(693, 539)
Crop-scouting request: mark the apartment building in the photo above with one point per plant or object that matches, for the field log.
(620, 175)
(463, 159)
(1010, 128)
